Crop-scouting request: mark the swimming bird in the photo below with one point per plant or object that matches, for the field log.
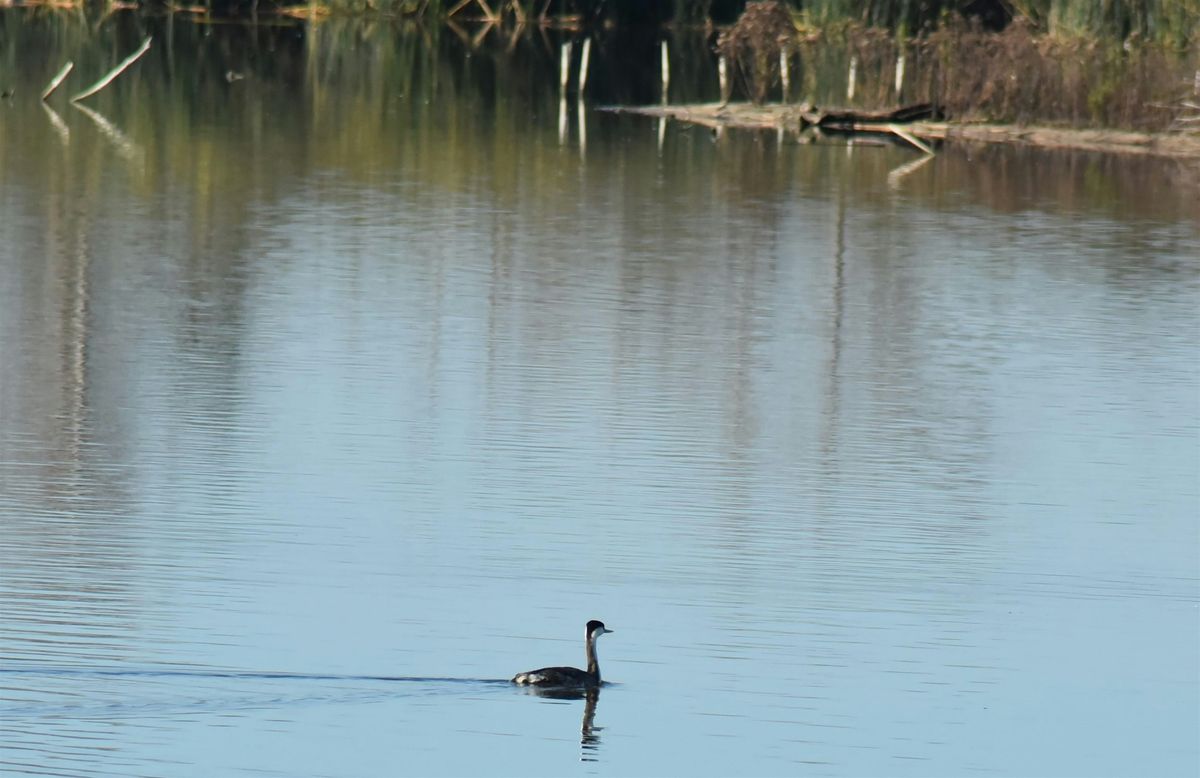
(570, 676)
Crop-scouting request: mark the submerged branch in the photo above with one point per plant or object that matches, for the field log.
(57, 80)
(898, 131)
(118, 70)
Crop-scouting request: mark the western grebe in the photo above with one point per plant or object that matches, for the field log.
(570, 676)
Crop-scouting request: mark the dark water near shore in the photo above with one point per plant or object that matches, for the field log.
(333, 395)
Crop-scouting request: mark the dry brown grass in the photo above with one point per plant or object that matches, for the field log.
(752, 46)
(1016, 76)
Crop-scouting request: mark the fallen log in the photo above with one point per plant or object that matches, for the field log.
(847, 119)
(720, 116)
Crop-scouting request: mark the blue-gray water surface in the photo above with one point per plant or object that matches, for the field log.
(317, 423)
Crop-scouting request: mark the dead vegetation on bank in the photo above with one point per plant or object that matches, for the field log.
(758, 46)
(1134, 98)
(1018, 75)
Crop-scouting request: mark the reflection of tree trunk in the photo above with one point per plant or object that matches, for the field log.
(589, 738)
(74, 352)
(833, 390)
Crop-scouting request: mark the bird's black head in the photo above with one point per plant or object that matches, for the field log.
(596, 628)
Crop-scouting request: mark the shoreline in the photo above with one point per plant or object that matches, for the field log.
(794, 118)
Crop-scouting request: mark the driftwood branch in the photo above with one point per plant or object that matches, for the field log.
(57, 80)
(118, 70)
(908, 136)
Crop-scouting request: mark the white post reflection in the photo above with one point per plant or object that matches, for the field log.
(581, 117)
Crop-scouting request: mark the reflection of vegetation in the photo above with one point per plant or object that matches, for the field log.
(367, 103)
(206, 167)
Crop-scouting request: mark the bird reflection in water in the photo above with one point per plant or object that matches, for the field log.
(589, 734)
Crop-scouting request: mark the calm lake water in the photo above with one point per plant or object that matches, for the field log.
(334, 395)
